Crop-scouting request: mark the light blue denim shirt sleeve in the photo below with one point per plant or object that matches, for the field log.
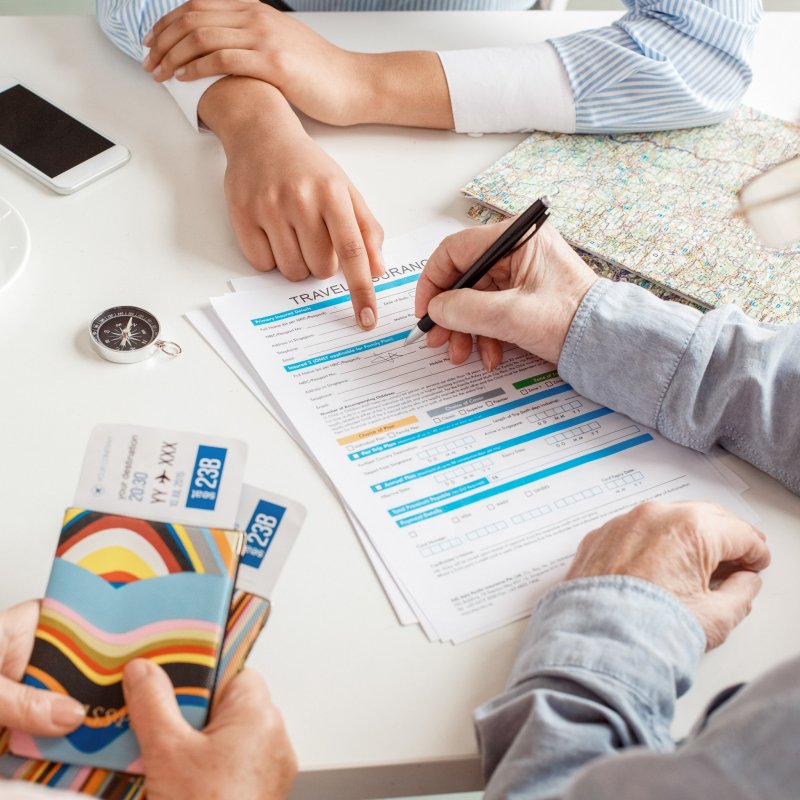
(700, 379)
(604, 659)
(589, 704)
(591, 679)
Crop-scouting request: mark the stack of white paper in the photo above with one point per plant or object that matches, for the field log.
(469, 490)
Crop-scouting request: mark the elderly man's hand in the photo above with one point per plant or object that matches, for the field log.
(23, 708)
(527, 299)
(243, 752)
(706, 556)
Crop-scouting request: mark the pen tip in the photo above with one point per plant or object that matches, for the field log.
(414, 334)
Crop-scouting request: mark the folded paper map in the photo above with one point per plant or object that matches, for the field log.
(658, 206)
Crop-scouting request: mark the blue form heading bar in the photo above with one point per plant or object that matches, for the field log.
(346, 352)
(487, 451)
(456, 423)
(335, 301)
(437, 498)
(534, 476)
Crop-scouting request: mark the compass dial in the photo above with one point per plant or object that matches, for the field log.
(125, 328)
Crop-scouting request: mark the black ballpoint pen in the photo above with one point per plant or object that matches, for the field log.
(534, 215)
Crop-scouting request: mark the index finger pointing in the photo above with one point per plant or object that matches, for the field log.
(351, 251)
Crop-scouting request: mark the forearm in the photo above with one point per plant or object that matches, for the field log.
(719, 378)
(404, 88)
(235, 107)
(588, 682)
(665, 64)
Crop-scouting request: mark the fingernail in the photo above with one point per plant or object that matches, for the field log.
(135, 672)
(367, 318)
(65, 711)
(487, 362)
(157, 70)
(180, 72)
(148, 40)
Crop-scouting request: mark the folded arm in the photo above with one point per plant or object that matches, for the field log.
(664, 64)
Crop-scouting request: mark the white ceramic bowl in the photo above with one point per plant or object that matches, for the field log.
(15, 243)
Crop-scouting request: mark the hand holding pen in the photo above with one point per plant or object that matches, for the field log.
(526, 296)
(509, 240)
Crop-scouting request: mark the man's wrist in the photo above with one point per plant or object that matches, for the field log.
(572, 295)
(624, 346)
(654, 647)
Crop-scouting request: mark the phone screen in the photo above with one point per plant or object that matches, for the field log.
(43, 135)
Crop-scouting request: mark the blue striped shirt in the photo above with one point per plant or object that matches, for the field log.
(664, 64)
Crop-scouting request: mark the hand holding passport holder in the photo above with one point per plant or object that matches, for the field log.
(123, 588)
(246, 619)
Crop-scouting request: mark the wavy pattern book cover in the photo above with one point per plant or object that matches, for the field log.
(124, 588)
(246, 619)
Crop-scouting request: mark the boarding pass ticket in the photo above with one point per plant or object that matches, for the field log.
(190, 479)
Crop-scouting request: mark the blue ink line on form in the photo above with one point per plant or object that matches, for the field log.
(456, 423)
(487, 451)
(354, 350)
(294, 312)
(534, 476)
(437, 498)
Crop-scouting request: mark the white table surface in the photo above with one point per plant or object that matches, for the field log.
(374, 709)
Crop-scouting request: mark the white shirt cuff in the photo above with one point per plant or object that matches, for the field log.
(187, 95)
(508, 89)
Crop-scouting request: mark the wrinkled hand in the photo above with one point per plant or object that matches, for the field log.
(243, 752)
(527, 299)
(706, 556)
(244, 37)
(23, 708)
(290, 204)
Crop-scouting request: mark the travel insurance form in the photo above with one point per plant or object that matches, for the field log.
(474, 487)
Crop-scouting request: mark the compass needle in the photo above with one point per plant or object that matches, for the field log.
(126, 334)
